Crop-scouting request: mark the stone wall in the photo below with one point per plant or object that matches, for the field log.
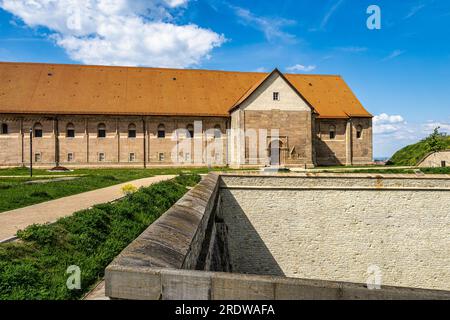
(182, 254)
(299, 145)
(294, 129)
(118, 149)
(436, 160)
(337, 228)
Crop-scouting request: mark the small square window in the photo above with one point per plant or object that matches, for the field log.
(132, 157)
(132, 133)
(37, 157)
(161, 157)
(38, 133)
(70, 133)
(276, 96)
(101, 157)
(70, 157)
(101, 133)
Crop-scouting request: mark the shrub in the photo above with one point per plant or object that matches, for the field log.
(129, 189)
(35, 268)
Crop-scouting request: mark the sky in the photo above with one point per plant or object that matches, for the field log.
(400, 72)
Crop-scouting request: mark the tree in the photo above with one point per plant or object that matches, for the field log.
(435, 141)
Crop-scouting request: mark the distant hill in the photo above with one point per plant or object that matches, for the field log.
(412, 154)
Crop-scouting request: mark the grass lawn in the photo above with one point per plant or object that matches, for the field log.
(16, 193)
(36, 267)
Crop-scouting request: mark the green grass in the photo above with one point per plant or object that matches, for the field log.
(445, 170)
(24, 172)
(412, 154)
(35, 268)
(15, 193)
(395, 171)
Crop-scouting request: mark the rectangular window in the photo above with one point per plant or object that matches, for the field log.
(38, 133)
(101, 157)
(187, 157)
(70, 157)
(4, 128)
(161, 157)
(37, 157)
(132, 157)
(332, 135)
(276, 96)
(443, 164)
(131, 133)
(70, 133)
(161, 134)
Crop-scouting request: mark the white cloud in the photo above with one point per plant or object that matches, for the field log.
(261, 69)
(119, 32)
(388, 124)
(272, 28)
(414, 10)
(431, 125)
(385, 118)
(353, 49)
(300, 68)
(394, 54)
(392, 132)
(328, 15)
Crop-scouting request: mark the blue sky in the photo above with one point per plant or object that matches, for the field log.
(401, 73)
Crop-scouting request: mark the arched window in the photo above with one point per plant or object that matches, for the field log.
(161, 131)
(359, 132)
(332, 132)
(4, 128)
(70, 130)
(132, 130)
(101, 131)
(190, 129)
(37, 129)
(217, 131)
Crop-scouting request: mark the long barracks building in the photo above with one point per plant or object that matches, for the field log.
(83, 116)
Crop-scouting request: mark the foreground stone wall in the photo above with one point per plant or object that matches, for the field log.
(182, 255)
(333, 228)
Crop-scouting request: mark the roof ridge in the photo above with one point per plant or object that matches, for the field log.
(312, 75)
(125, 67)
(161, 68)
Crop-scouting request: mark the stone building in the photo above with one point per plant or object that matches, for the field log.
(439, 159)
(125, 116)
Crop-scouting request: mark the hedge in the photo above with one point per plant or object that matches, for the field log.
(35, 267)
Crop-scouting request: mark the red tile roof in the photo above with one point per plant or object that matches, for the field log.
(79, 89)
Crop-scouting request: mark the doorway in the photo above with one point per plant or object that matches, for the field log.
(275, 152)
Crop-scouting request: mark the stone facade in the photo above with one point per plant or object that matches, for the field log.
(117, 148)
(340, 228)
(439, 159)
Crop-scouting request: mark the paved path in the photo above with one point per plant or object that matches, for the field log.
(50, 211)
